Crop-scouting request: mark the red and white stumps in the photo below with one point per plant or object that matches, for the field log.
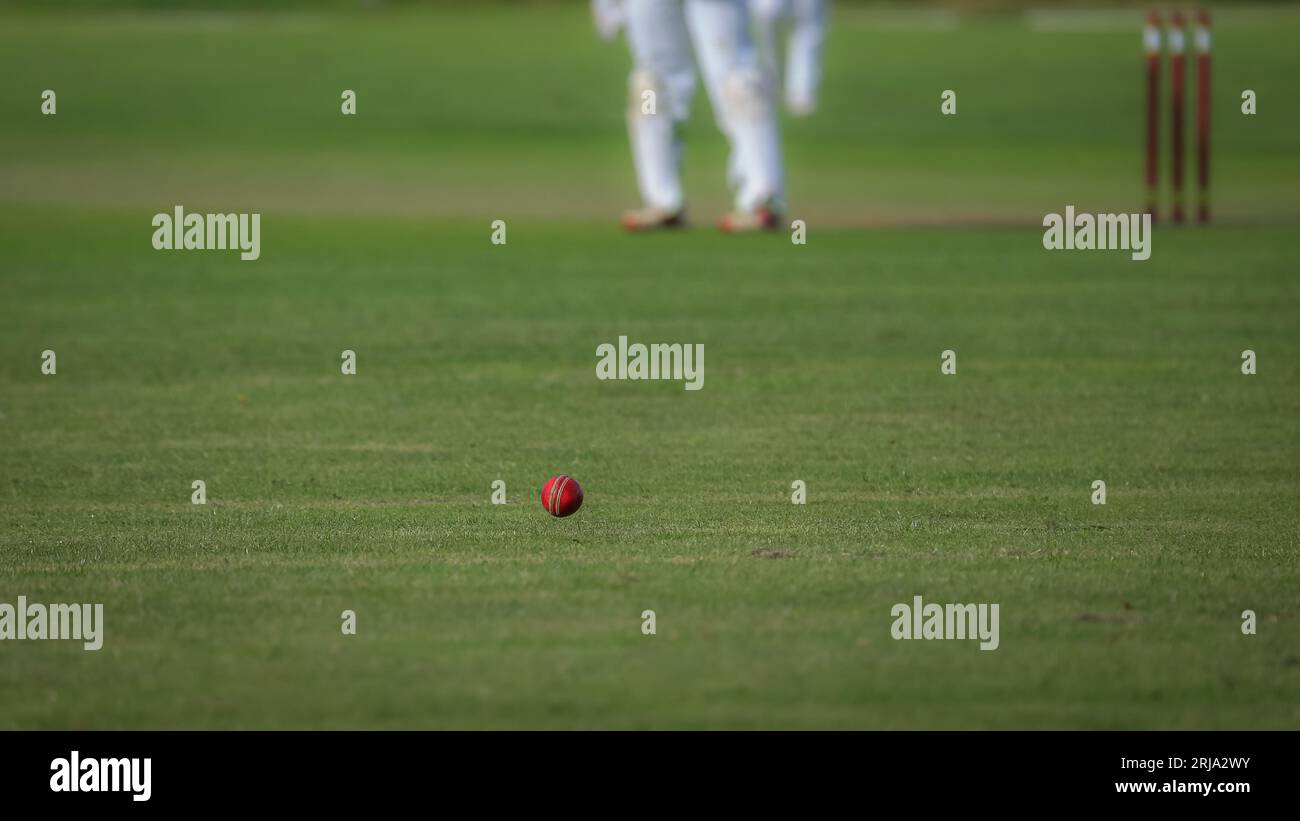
(1152, 41)
(561, 495)
(1151, 47)
(1203, 114)
(1177, 92)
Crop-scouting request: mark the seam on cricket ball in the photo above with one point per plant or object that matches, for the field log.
(559, 494)
(550, 499)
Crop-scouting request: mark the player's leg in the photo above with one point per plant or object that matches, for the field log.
(659, 99)
(765, 17)
(609, 16)
(765, 23)
(743, 102)
(803, 66)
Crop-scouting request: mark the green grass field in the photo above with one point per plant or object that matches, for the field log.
(476, 363)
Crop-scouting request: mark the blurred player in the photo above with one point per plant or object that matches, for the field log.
(667, 38)
(803, 55)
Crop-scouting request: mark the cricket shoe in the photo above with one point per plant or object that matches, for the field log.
(749, 222)
(650, 218)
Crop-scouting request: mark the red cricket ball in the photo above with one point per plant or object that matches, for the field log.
(562, 495)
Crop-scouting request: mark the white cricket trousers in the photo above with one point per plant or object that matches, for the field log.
(667, 39)
(803, 54)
